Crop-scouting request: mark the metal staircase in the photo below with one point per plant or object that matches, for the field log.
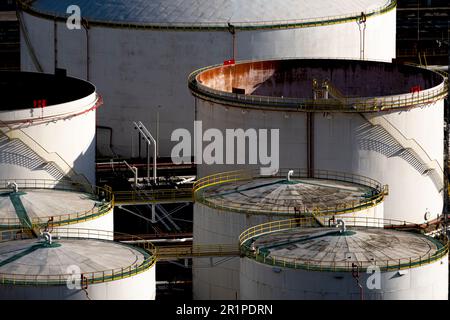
(18, 148)
(408, 149)
(15, 152)
(395, 143)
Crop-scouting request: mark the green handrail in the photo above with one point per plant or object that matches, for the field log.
(146, 248)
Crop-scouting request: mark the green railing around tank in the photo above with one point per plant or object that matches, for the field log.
(146, 248)
(102, 197)
(247, 238)
(202, 185)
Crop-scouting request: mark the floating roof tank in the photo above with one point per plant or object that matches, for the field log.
(375, 119)
(140, 52)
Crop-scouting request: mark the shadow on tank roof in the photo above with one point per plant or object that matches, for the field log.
(25, 90)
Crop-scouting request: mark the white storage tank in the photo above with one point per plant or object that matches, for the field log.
(227, 204)
(37, 204)
(78, 265)
(47, 127)
(375, 119)
(139, 52)
(289, 260)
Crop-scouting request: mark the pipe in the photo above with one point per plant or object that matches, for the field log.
(154, 151)
(14, 186)
(181, 240)
(341, 225)
(55, 43)
(149, 138)
(85, 24)
(47, 236)
(26, 37)
(362, 34)
(310, 143)
(290, 174)
(232, 30)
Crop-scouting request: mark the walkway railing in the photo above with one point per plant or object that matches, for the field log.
(103, 196)
(348, 104)
(198, 250)
(248, 236)
(201, 192)
(152, 196)
(87, 278)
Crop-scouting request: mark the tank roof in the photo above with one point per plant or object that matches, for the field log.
(27, 261)
(326, 192)
(218, 12)
(319, 85)
(33, 257)
(325, 248)
(21, 89)
(62, 202)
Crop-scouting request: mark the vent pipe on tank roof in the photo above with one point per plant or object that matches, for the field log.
(290, 174)
(341, 225)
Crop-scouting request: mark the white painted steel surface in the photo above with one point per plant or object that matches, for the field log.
(139, 287)
(48, 150)
(260, 282)
(221, 281)
(142, 72)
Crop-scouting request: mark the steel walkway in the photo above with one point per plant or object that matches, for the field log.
(196, 251)
(143, 197)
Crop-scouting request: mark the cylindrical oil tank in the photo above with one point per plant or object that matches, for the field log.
(291, 260)
(38, 204)
(78, 264)
(47, 127)
(375, 119)
(229, 203)
(139, 53)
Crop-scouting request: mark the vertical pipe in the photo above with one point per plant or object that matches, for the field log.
(312, 149)
(418, 22)
(157, 133)
(139, 145)
(232, 31)
(86, 28)
(446, 153)
(307, 144)
(55, 43)
(310, 143)
(148, 163)
(88, 62)
(234, 46)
